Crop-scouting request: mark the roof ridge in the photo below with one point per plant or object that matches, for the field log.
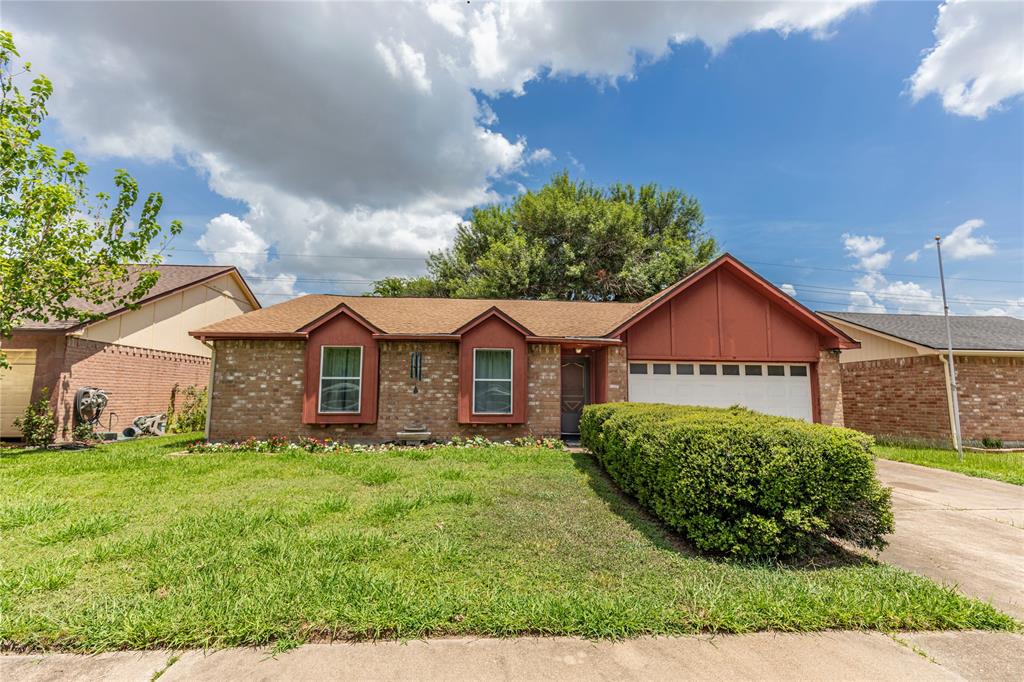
(451, 298)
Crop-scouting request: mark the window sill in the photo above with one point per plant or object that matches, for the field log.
(340, 418)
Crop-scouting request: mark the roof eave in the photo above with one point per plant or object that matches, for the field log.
(231, 336)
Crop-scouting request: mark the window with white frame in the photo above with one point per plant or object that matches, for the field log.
(341, 379)
(492, 381)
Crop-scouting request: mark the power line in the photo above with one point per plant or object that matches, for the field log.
(903, 306)
(800, 286)
(754, 262)
(881, 272)
(303, 255)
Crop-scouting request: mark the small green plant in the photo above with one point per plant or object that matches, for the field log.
(38, 425)
(84, 432)
(990, 442)
(192, 415)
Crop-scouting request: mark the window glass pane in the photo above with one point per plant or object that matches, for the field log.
(684, 369)
(797, 371)
(709, 369)
(752, 370)
(776, 371)
(637, 368)
(493, 364)
(660, 368)
(339, 395)
(493, 396)
(731, 370)
(341, 362)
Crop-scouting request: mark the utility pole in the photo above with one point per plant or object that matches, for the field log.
(949, 349)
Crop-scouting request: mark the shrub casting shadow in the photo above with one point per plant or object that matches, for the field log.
(826, 555)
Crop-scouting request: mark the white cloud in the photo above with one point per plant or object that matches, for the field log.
(402, 61)
(356, 128)
(231, 240)
(541, 155)
(867, 251)
(977, 62)
(908, 297)
(871, 281)
(861, 302)
(789, 289)
(1014, 307)
(874, 292)
(511, 43)
(960, 244)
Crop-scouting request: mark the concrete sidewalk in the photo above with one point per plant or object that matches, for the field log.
(764, 656)
(958, 530)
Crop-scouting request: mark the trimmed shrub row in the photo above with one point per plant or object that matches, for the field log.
(740, 483)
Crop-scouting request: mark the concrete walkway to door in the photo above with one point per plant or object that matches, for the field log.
(958, 530)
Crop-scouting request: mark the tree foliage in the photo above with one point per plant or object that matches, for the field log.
(569, 240)
(60, 252)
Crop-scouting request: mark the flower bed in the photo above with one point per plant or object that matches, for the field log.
(315, 445)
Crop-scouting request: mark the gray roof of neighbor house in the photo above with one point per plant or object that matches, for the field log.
(982, 332)
(172, 278)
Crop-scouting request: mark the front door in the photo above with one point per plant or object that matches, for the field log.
(575, 392)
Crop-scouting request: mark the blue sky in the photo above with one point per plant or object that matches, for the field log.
(819, 157)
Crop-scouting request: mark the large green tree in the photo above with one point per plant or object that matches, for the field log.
(569, 240)
(63, 253)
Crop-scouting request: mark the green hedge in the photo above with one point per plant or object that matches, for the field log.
(741, 483)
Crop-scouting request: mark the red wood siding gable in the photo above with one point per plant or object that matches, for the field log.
(341, 328)
(493, 331)
(726, 312)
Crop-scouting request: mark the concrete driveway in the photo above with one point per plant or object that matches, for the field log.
(959, 530)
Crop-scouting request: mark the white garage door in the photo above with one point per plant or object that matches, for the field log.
(780, 389)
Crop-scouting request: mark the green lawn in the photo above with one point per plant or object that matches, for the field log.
(1001, 466)
(137, 546)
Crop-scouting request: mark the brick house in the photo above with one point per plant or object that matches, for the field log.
(366, 368)
(137, 355)
(897, 383)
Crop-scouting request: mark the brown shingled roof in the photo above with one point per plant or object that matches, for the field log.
(426, 316)
(172, 278)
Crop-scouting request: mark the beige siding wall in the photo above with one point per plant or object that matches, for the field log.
(874, 347)
(164, 324)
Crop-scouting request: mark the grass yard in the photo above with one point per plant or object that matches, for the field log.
(137, 546)
(1001, 466)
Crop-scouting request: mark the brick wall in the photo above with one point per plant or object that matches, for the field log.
(991, 392)
(544, 391)
(906, 398)
(139, 380)
(901, 398)
(258, 392)
(618, 375)
(830, 389)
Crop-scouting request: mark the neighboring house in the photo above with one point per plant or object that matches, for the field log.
(137, 355)
(897, 383)
(365, 368)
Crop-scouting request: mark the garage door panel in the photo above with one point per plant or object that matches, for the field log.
(15, 389)
(788, 395)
